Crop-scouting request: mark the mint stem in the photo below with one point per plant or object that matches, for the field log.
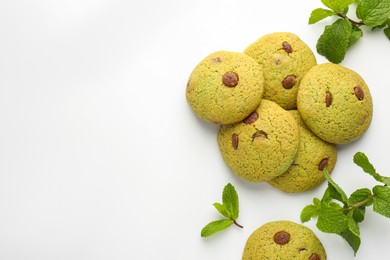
(358, 24)
(238, 225)
(360, 203)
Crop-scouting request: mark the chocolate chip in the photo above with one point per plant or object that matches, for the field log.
(217, 59)
(287, 47)
(281, 238)
(328, 98)
(323, 163)
(259, 134)
(359, 93)
(235, 141)
(251, 118)
(314, 256)
(289, 81)
(230, 79)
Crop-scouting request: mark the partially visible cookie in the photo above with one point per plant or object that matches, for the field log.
(335, 103)
(225, 87)
(306, 172)
(285, 59)
(263, 145)
(283, 240)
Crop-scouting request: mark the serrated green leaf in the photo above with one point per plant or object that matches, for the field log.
(373, 12)
(356, 34)
(215, 226)
(222, 209)
(334, 189)
(337, 5)
(382, 200)
(310, 211)
(353, 240)
(331, 219)
(317, 202)
(359, 196)
(319, 14)
(334, 194)
(387, 32)
(335, 40)
(361, 160)
(230, 200)
(359, 214)
(363, 197)
(352, 225)
(344, 11)
(326, 197)
(383, 25)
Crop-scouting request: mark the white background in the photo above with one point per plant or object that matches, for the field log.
(102, 158)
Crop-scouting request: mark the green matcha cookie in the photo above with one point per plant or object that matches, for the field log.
(305, 173)
(283, 240)
(285, 59)
(263, 145)
(225, 87)
(335, 103)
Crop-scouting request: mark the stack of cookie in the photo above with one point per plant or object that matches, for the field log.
(281, 113)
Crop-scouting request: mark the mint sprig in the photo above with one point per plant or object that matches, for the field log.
(338, 37)
(339, 214)
(229, 209)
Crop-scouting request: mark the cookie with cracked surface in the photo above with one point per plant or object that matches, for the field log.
(335, 103)
(282, 240)
(305, 173)
(263, 145)
(285, 59)
(225, 87)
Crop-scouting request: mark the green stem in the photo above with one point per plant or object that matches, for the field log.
(361, 203)
(358, 24)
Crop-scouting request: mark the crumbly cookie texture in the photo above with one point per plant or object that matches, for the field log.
(285, 59)
(335, 103)
(306, 172)
(263, 145)
(225, 87)
(283, 240)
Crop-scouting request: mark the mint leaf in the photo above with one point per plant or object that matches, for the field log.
(222, 209)
(373, 12)
(352, 225)
(387, 32)
(331, 219)
(337, 5)
(230, 200)
(361, 160)
(344, 220)
(311, 211)
(319, 14)
(361, 195)
(228, 209)
(326, 197)
(359, 200)
(334, 189)
(335, 40)
(344, 11)
(356, 34)
(358, 214)
(215, 226)
(382, 200)
(352, 239)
